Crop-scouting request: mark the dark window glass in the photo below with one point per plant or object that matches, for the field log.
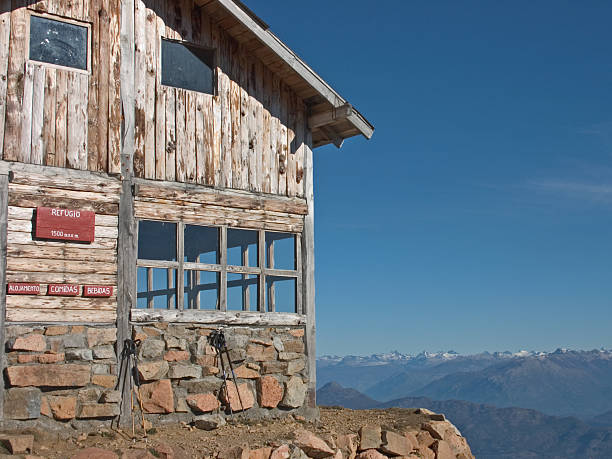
(188, 67)
(242, 292)
(201, 289)
(281, 293)
(57, 42)
(201, 244)
(156, 240)
(280, 250)
(156, 288)
(242, 247)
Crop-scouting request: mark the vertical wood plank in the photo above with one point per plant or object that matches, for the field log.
(61, 118)
(252, 119)
(235, 114)
(3, 233)
(246, 294)
(259, 128)
(209, 140)
(308, 279)
(72, 151)
(226, 112)
(299, 306)
(243, 183)
(170, 134)
(291, 143)
(160, 96)
(15, 83)
(180, 273)
(200, 149)
(38, 106)
(282, 143)
(49, 118)
(217, 111)
(25, 141)
(300, 129)
(92, 103)
(265, 134)
(190, 140)
(150, 42)
(261, 257)
(82, 120)
(271, 288)
(103, 71)
(114, 96)
(274, 133)
(181, 140)
(140, 71)
(5, 30)
(127, 249)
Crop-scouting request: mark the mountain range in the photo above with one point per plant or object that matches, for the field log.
(497, 433)
(559, 383)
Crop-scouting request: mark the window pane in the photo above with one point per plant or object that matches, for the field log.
(242, 247)
(242, 292)
(280, 250)
(201, 290)
(156, 240)
(201, 244)
(156, 288)
(57, 42)
(188, 67)
(280, 292)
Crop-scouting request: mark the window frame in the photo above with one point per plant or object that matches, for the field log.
(215, 66)
(56, 18)
(223, 268)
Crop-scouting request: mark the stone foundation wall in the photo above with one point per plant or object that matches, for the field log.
(61, 374)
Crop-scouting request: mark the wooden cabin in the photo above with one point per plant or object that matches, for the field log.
(156, 185)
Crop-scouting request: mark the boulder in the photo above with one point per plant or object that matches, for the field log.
(294, 345)
(177, 356)
(237, 452)
(152, 348)
(394, 444)
(260, 453)
(443, 450)
(179, 371)
(312, 445)
(370, 437)
(230, 397)
(209, 421)
(282, 452)
(69, 375)
(97, 453)
(56, 330)
(63, 408)
(51, 358)
(157, 397)
(98, 410)
(371, 454)
(202, 403)
(97, 336)
(104, 352)
(246, 373)
(111, 396)
(269, 392)
(79, 354)
(295, 366)
(260, 352)
(19, 444)
(348, 445)
(295, 393)
(108, 381)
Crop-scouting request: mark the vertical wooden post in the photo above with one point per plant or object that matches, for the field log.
(261, 257)
(180, 274)
(308, 270)
(3, 228)
(127, 244)
(223, 263)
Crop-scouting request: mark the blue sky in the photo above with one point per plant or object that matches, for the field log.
(479, 217)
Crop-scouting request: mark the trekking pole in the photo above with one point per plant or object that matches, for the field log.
(227, 397)
(129, 353)
(234, 377)
(217, 340)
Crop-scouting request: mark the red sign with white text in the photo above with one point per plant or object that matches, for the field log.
(22, 288)
(97, 291)
(63, 290)
(65, 224)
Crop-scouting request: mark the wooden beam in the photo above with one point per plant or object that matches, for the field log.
(328, 117)
(3, 232)
(127, 243)
(251, 318)
(308, 279)
(332, 135)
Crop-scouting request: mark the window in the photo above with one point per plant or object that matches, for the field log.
(184, 266)
(58, 42)
(187, 66)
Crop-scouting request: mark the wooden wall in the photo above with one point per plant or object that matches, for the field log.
(45, 262)
(60, 117)
(248, 137)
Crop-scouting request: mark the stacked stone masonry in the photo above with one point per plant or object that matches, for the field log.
(66, 373)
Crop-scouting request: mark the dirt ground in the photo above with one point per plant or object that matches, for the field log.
(189, 442)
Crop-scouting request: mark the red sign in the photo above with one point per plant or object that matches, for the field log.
(65, 224)
(97, 291)
(21, 288)
(63, 290)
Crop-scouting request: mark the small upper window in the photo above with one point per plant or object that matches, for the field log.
(58, 42)
(187, 66)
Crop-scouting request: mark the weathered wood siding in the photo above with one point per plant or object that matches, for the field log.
(249, 136)
(58, 116)
(45, 262)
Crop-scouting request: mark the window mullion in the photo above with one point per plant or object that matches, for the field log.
(180, 274)
(261, 256)
(223, 263)
(298, 267)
